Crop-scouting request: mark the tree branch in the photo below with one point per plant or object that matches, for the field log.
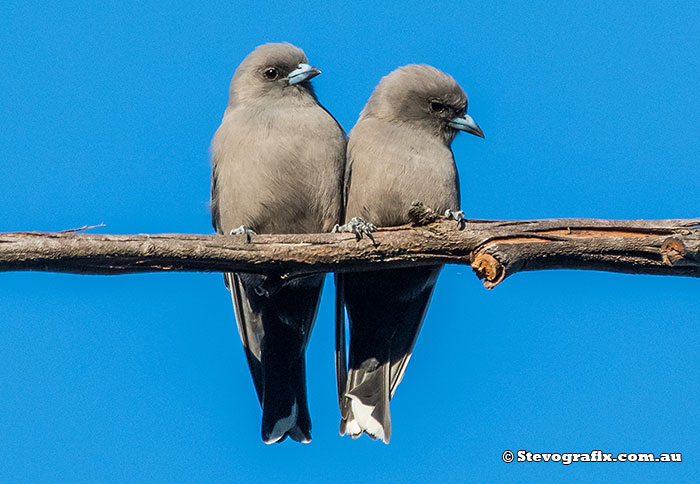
(494, 249)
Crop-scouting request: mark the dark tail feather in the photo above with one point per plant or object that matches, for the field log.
(287, 327)
(385, 311)
(364, 405)
(275, 318)
(285, 409)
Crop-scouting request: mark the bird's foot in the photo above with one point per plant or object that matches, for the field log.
(457, 215)
(243, 230)
(359, 227)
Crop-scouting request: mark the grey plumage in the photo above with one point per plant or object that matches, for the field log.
(278, 159)
(398, 152)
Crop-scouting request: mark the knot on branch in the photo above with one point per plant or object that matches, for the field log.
(488, 268)
(672, 250)
(421, 215)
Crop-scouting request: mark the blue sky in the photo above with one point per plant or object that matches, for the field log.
(108, 109)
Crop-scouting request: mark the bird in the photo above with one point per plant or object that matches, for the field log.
(398, 152)
(277, 167)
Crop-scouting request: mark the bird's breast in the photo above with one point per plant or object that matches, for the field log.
(279, 171)
(392, 168)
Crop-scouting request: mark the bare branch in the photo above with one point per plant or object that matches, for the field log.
(494, 249)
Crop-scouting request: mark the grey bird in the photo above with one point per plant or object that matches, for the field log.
(278, 160)
(398, 152)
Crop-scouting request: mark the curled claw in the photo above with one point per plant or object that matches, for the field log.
(359, 227)
(243, 230)
(457, 215)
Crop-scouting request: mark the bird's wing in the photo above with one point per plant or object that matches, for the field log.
(341, 362)
(250, 327)
(404, 339)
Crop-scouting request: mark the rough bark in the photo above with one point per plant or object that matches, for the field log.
(494, 249)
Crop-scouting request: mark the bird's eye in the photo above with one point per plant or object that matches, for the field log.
(437, 107)
(270, 73)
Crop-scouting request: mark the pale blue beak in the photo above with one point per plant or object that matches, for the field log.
(303, 73)
(467, 124)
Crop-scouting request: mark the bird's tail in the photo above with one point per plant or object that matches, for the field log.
(364, 392)
(366, 405)
(275, 320)
(284, 405)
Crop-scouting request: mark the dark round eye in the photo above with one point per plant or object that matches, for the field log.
(270, 73)
(437, 107)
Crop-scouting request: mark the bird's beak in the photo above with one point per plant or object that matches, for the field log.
(303, 73)
(466, 123)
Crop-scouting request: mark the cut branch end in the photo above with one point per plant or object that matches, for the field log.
(488, 268)
(672, 250)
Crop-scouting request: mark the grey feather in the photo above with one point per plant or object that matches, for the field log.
(398, 152)
(278, 160)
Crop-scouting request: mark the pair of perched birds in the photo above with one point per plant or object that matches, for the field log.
(282, 164)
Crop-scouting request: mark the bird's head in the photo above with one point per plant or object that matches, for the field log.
(425, 97)
(272, 71)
